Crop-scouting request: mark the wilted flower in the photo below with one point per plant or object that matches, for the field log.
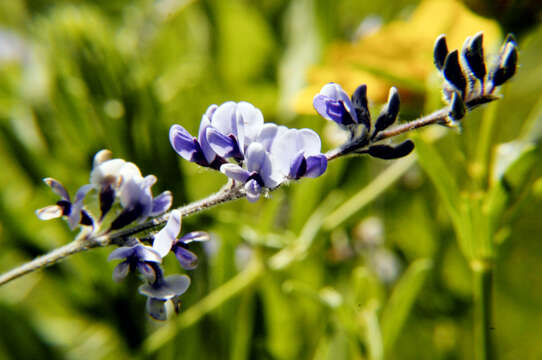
(73, 211)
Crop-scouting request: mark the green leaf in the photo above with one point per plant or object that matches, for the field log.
(440, 176)
(401, 301)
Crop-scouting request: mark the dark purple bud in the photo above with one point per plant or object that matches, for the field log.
(474, 56)
(389, 113)
(359, 100)
(453, 72)
(127, 216)
(507, 65)
(440, 52)
(388, 152)
(457, 107)
(107, 198)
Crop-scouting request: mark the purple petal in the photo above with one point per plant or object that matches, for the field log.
(178, 283)
(335, 92)
(147, 271)
(171, 286)
(57, 188)
(77, 206)
(224, 119)
(333, 103)
(156, 308)
(235, 172)
(269, 133)
(309, 142)
(120, 271)
(316, 165)
(210, 111)
(221, 144)
(250, 119)
(206, 149)
(253, 190)
(187, 258)
(147, 253)
(122, 253)
(182, 142)
(161, 203)
(299, 166)
(195, 236)
(106, 173)
(136, 192)
(164, 239)
(256, 157)
(49, 212)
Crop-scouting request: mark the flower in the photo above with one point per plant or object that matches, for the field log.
(163, 290)
(73, 211)
(233, 126)
(114, 178)
(197, 149)
(136, 197)
(334, 104)
(300, 153)
(138, 257)
(237, 131)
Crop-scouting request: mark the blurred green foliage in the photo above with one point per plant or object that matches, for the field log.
(293, 277)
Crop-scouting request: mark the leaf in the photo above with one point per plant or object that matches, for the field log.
(402, 299)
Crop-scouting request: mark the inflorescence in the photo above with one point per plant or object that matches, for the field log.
(258, 157)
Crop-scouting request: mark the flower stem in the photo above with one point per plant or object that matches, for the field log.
(483, 286)
(48, 259)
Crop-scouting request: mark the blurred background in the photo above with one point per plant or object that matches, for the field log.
(362, 263)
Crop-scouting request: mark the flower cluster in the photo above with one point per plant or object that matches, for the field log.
(114, 180)
(124, 197)
(353, 115)
(146, 260)
(234, 139)
(468, 82)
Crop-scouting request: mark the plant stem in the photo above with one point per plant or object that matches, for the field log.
(229, 192)
(483, 286)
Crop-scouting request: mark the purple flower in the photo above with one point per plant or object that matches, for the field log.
(195, 149)
(162, 290)
(333, 103)
(298, 153)
(136, 197)
(166, 240)
(233, 126)
(74, 212)
(260, 171)
(138, 257)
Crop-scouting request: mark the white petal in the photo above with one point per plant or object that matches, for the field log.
(164, 238)
(49, 212)
(235, 172)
